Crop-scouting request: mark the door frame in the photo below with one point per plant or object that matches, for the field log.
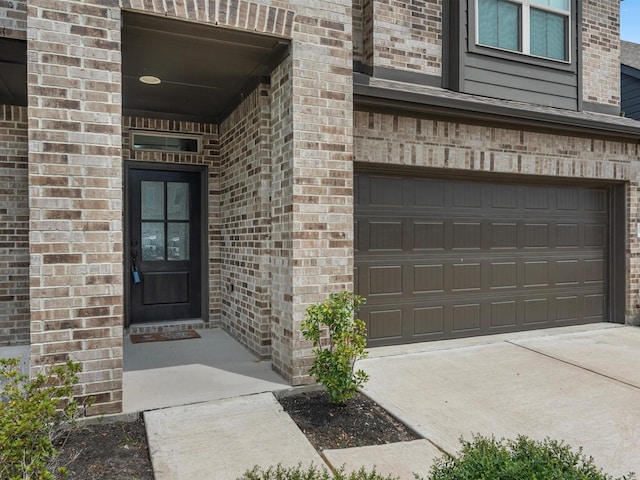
(202, 171)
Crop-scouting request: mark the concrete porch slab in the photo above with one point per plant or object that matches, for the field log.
(215, 366)
(222, 439)
(396, 459)
(503, 389)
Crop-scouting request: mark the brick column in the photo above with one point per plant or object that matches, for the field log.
(601, 53)
(75, 192)
(312, 221)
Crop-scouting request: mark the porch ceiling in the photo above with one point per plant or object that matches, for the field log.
(204, 69)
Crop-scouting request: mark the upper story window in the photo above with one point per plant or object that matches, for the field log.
(539, 28)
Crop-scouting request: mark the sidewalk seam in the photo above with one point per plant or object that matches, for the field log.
(582, 367)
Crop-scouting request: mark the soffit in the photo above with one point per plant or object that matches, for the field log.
(204, 69)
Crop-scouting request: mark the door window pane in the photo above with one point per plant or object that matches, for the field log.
(548, 34)
(152, 200)
(152, 241)
(499, 24)
(177, 201)
(178, 244)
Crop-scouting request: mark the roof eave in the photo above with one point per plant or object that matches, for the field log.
(375, 97)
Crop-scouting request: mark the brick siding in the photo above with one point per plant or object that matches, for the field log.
(14, 227)
(245, 189)
(281, 219)
(601, 52)
(403, 35)
(275, 18)
(322, 256)
(357, 15)
(13, 19)
(398, 140)
(75, 174)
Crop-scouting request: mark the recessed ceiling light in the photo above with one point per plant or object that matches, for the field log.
(150, 80)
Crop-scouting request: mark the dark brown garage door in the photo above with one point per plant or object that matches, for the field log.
(443, 258)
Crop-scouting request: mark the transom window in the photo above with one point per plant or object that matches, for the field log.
(533, 27)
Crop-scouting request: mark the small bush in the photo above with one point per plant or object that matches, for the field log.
(33, 416)
(312, 473)
(335, 357)
(519, 459)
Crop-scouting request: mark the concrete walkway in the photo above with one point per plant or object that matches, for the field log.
(578, 384)
(222, 439)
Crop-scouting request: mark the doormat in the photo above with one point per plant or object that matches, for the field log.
(163, 336)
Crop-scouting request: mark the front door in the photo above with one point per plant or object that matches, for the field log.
(164, 234)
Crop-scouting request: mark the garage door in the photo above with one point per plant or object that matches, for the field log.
(448, 258)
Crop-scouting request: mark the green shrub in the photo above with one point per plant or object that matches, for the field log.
(312, 473)
(519, 459)
(335, 357)
(33, 416)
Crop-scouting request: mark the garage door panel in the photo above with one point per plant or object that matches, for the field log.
(536, 235)
(386, 191)
(428, 235)
(428, 320)
(467, 194)
(385, 280)
(385, 235)
(536, 274)
(385, 324)
(467, 236)
(567, 198)
(536, 311)
(504, 314)
(536, 198)
(466, 318)
(595, 200)
(503, 236)
(428, 193)
(567, 308)
(567, 235)
(466, 277)
(504, 275)
(568, 272)
(594, 271)
(504, 196)
(428, 278)
(462, 258)
(595, 235)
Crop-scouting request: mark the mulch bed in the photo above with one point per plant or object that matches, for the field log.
(357, 423)
(119, 451)
(114, 451)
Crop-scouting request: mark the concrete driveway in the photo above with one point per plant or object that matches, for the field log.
(578, 384)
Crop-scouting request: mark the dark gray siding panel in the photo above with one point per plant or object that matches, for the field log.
(630, 96)
(497, 78)
(511, 76)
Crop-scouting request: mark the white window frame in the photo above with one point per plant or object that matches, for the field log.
(525, 19)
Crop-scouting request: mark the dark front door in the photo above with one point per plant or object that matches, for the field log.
(164, 245)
